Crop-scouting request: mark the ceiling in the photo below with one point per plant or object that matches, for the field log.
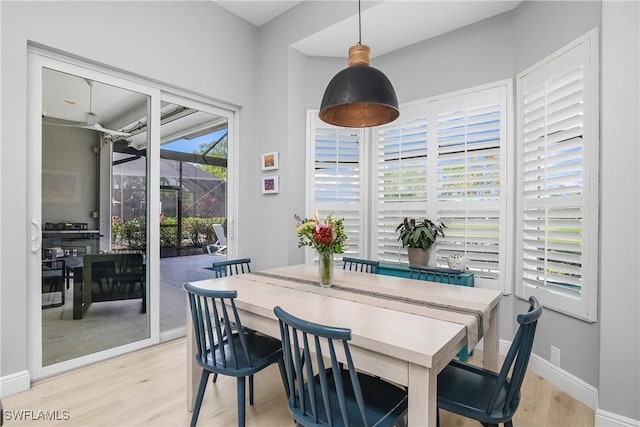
(420, 20)
(257, 12)
(68, 98)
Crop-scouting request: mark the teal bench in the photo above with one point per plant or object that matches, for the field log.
(434, 274)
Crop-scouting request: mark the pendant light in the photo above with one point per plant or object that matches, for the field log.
(360, 95)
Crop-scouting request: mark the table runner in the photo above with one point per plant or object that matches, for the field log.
(473, 319)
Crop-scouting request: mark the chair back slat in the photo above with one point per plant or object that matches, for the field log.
(435, 274)
(243, 338)
(516, 361)
(337, 378)
(231, 267)
(214, 314)
(305, 403)
(197, 324)
(357, 392)
(322, 378)
(361, 265)
(219, 334)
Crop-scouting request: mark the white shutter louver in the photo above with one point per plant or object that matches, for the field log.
(336, 177)
(401, 177)
(470, 142)
(557, 145)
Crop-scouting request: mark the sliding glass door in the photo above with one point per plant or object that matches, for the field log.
(89, 283)
(130, 196)
(194, 146)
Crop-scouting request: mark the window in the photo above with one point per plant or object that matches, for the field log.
(400, 179)
(335, 177)
(469, 180)
(444, 159)
(558, 155)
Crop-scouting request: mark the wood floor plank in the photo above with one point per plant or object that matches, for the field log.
(148, 388)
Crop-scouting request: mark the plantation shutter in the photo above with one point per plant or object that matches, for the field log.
(469, 185)
(336, 178)
(558, 154)
(400, 179)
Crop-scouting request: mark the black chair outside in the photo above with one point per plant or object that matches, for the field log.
(320, 396)
(53, 279)
(231, 267)
(130, 278)
(486, 396)
(362, 265)
(239, 354)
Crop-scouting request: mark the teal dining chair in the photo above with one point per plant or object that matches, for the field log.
(238, 354)
(435, 274)
(358, 264)
(231, 267)
(320, 395)
(486, 396)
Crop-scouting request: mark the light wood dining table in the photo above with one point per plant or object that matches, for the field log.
(402, 330)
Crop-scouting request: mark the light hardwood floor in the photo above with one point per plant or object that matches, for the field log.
(147, 388)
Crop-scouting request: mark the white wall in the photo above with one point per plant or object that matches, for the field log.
(499, 48)
(280, 126)
(481, 53)
(69, 148)
(196, 46)
(619, 351)
(540, 28)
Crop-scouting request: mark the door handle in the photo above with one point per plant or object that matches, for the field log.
(36, 236)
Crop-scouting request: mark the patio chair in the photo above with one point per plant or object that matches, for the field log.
(317, 395)
(220, 246)
(53, 276)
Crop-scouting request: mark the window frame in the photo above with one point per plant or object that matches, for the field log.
(369, 175)
(584, 307)
(311, 206)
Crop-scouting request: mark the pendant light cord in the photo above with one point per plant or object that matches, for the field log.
(359, 24)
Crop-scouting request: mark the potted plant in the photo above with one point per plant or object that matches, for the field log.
(418, 237)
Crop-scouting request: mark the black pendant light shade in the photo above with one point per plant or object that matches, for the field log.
(359, 96)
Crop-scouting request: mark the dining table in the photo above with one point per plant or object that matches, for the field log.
(402, 330)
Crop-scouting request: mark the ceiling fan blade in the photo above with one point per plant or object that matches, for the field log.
(48, 120)
(98, 127)
(90, 123)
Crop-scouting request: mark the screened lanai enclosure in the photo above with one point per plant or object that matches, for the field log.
(192, 199)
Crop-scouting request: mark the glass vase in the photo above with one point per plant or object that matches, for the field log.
(325, 265)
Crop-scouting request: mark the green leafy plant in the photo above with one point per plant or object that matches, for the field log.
(422, 234)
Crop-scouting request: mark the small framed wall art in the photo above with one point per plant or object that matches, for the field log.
(270, 185)
(269, 161)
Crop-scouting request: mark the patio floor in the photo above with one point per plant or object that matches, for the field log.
(115, 323)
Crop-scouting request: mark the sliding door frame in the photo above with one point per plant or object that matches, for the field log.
(39, 58)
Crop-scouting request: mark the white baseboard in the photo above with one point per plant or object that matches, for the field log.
(15, 383)
(173, 334)
(608, 419)
(570, 384)
(574, 387)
